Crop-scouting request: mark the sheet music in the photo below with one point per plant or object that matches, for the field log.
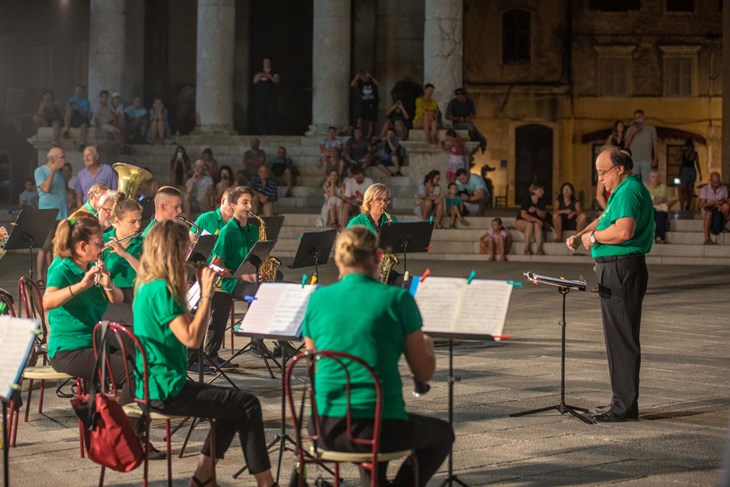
(205, 232)
(192, 297)
(483, 307)
(16, 337)
(438, 300)
(278, 309)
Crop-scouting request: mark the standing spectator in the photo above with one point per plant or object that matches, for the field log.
(455, 146)
(78, 109)
(358, 150)
(282, 170)
(49, 114)
(429, 201)
(455, 207)
(265, 105)
(396, 118)
(211, 165)
(28, 199)
(159, 124)
(658, 193)
(689, 170)
(266, 192)
(329, 142)
(137, 122)
(51, 195)
(532, 217)
(332, 207)
(617, 137)
(180, 167)
(367, 88)
(427, 115)
(253, 159)
(198, 191)
(495, 242)
(68, 175)
(354, 191)
(225, 181)
(94, 172)
(568, 212)
(389, 154)
(473, 191)
(462, 111)
(715, 204)
(103, 117)
(118, 113)
(642, 139)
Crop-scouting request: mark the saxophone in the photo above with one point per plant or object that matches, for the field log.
(270, 265)
(389, 260)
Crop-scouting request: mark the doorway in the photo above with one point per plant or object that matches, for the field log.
(534, 160)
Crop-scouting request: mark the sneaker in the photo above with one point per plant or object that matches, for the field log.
(223, 364)
(288, 349)
(195, 368)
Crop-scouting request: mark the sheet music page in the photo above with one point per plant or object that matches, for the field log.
(205, 232)
(483, 307)
(289, 314)
(193, 296)
(258, 317)
(438, 300)
(16, 337)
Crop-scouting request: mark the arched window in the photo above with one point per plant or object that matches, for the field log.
(516, 34)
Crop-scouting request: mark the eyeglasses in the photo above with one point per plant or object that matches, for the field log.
(107, 210)
(383, 200)
(98, 243)
(601, 174)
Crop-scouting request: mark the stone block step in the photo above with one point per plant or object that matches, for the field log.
(418, 135)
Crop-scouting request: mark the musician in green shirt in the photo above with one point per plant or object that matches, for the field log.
(372, 212)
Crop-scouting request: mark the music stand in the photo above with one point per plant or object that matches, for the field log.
(256, 256)
(273, 225)
(564, 286)
(314, 249)
(30, 230)
(406, 237)
(202, 249)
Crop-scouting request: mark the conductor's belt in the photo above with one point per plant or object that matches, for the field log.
(614, 258)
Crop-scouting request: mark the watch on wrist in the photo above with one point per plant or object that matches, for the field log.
(593, 237)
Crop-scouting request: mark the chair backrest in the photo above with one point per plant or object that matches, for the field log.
(7, 300)
(30, 295)
(347, 363)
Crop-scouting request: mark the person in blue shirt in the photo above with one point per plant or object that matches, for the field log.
(136, 119)
(78, 110)
(473, 191)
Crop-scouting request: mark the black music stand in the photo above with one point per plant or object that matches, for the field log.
(273, 225)
(564, 286)
(406, 237)
(202, 248)
(314, 250)
(30, 230)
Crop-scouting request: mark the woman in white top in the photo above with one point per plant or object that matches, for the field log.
(429, 201)
(331, 209)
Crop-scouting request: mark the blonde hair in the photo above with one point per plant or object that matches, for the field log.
(98, 188)
(374, 191)
(79, 227)
(163, 257)
(357, 247)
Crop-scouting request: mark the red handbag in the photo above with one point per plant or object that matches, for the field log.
(108, 435)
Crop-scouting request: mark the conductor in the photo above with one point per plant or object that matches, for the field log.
(619, 241)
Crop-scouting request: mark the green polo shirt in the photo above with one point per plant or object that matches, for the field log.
(123, 274)
(369, 320)
(630, 199)
(233, 245)
(212, 222)
(364, 220)
(167, 359)
(73, 322)
(87, 207)
(148, 228)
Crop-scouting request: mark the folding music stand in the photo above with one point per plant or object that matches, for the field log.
(314, 250)
(273, 225)
(202, 249)
(30, 230)
(406, 237)
(256, 256)
(564, 286)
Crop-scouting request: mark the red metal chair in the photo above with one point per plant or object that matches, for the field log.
(316, 453)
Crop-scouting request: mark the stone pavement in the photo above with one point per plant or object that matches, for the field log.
(684, 401)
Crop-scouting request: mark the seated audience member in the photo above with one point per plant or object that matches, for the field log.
(389, 154)
(461, 110)
(329, 142)
(429, 201)
(266, 192)
(253, 159)
(103, 117)
(159, 124)
(358, 150)
(240, 178)
(282, 170)
(496, 241)
(396, 118)
(568, 213)
(118, 112)
(455, 146)
(211, 165)
(355, 188)
(166, 329)
(198, 191)
(332, 208)
(716, 206)
(427, 115)
(49, 114)
(473, 191)
(180, 167)
(335, 162)
(136, 119)
(78, 110)
(28, 199)
(658, 192)
(532, 217)
(455, 206)
(95, 192)
(390, 320)
(225, 181)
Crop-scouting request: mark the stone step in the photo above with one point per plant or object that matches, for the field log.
(418, 135)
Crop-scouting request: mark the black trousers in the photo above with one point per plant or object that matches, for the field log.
(234, 412)
(661, 220)
(622, 285)
(431, 438)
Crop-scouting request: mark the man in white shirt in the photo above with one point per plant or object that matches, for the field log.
(354, 190)
(714, 201)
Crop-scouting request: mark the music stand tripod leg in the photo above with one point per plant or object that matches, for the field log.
(451, 477)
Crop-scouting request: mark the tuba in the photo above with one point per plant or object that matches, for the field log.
(389, 261)
(270, 265)
(130, 178)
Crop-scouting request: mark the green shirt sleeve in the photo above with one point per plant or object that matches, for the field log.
(628, 206)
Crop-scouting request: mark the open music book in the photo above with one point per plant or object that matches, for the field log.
(453, 306)
(278, 310)
(16, 337)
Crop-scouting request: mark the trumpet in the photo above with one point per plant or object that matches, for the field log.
(191, 224)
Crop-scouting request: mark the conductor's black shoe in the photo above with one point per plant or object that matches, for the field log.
(611, 417)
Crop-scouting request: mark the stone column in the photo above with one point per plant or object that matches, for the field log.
(330, 65)
(443, 48)
(214, 73)
(107, 47)
(725, 136)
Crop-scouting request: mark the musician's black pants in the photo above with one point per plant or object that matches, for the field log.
(622, 285)
(431, 438)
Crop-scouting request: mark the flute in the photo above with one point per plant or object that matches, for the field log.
(128, 237)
